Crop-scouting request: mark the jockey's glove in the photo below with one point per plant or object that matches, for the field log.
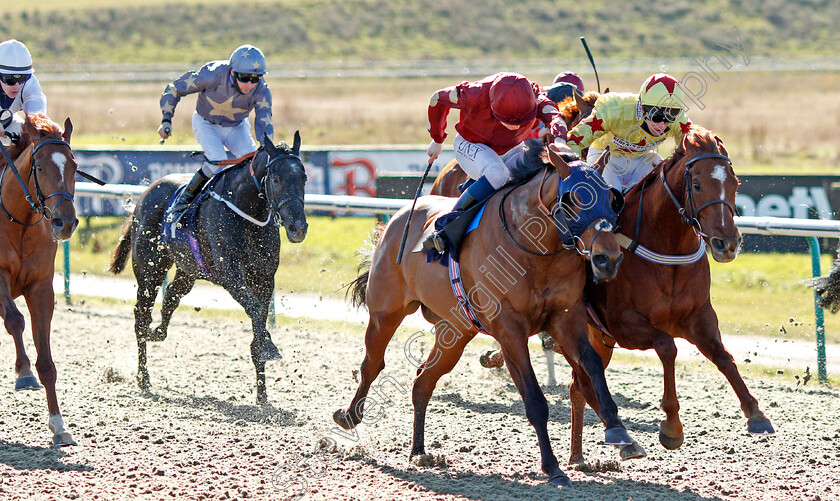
(434, 150)
(165, 129)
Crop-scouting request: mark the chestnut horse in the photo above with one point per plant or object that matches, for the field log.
(686, 203)
(29, 232)
(573, 110)
(543, 292)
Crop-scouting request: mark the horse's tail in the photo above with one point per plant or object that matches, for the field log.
(357, 289)
(123, 249)
(828, 288)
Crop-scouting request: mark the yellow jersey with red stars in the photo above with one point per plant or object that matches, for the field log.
(616, 120)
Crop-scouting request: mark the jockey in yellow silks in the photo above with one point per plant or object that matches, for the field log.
(633, 126)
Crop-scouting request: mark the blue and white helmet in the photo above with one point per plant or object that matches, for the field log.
(247, 59)
(16, 59)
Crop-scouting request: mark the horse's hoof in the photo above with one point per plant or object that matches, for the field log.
(617, 436)
(492, 359)
(341, 419)
(156, 335)
(27, 383)
(632, 451)
(560, 480)
(671, 443)
(269, 352)
(760, 427)
(63, 439)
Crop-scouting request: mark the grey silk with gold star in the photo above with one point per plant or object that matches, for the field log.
(219, 102)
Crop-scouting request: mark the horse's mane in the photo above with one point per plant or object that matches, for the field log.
(569, 108)
(534, 160)
(44, 124)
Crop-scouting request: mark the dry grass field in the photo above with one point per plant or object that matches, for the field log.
(771, 122)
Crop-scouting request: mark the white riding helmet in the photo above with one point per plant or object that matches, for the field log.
(15, 58)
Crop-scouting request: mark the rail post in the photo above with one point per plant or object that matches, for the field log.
(819, 317)
(66, 249)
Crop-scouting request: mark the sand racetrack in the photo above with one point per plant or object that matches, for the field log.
(199, 435)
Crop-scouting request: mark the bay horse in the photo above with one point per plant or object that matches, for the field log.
(447, 184)
(29, 234)
(546, 294)
(237, 235)
(661, 291)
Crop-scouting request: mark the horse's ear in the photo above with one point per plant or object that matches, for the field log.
(558, 162)
(268, 145)
(602, 161)
(584, 108)
(68, 130)
(296, 145)
(607, 90)
(30, 128)
(721, 147)
(579, 100)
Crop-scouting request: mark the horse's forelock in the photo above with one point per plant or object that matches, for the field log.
(44, 124)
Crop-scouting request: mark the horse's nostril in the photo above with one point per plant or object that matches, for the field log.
(293, 228)
(718, 244)
(600, 260)
(57, 223)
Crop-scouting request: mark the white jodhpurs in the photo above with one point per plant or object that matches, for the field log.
(480, 160)
(214, 138)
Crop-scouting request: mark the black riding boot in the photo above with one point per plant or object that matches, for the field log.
(456, 228)
(187, 196)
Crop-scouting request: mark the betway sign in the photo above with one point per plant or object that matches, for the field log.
(786, 196)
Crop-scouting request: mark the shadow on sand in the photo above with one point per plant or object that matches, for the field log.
(31, 457)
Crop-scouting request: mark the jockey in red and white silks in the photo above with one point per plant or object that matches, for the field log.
(497, 115)
(633, 125)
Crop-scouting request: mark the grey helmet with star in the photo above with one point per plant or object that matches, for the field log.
(247, 59)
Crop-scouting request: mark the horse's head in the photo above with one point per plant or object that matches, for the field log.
(586, 211)
(283, 180)
(52, 172)
(710, 186)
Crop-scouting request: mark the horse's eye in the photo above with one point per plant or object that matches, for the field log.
(697, 185)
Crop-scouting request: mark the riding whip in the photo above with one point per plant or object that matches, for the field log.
(591, 60)
(408, 221)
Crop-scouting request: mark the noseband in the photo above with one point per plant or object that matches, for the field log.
(691, 217)
(39, 207)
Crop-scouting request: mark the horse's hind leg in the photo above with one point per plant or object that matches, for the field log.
(380, 330)
(177, 289)
(39, 298)
(15, 323)
(706, 336)
(442, 358)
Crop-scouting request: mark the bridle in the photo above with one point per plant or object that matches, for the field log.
(39, 207)
(692, 215)
(570, 234)
(266, 192)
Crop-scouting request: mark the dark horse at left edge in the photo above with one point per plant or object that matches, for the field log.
(236, 233)
(44, 166)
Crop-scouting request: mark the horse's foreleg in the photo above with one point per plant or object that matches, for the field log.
(571, 334)
(39, 299)
(177, 289)
(442, 358)
(517, 358)
(15, 323)
(380, 330)
(149, 279)
(670, 429)
(706, 337)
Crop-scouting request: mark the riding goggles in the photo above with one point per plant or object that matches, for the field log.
(661, 114)
(248, 77)
(12, 79)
